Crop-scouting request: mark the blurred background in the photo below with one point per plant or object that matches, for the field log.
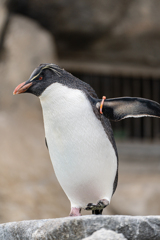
(112, 45)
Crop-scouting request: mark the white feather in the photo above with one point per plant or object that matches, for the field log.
(82, 155)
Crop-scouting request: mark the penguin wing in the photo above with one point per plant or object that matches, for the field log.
(117, 109)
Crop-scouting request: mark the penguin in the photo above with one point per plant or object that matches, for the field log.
(79, 136)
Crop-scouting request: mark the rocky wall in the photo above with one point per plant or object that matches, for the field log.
(118, 32)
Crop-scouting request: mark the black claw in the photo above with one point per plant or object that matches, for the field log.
(90, 206)
(97, 208)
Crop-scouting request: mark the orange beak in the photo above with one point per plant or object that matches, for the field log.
(21, 88)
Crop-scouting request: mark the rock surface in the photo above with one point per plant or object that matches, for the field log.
(25, 192)
(103, 234)
(133, 228)
(3, 16)
(122, 32)
(26, 46)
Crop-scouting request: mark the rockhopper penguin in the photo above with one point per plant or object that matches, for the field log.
(79, 135)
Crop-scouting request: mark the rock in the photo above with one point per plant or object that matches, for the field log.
(28, 185)
(26, 46)
(76, 228)
(4, 21)
(118, 32)
(3, 15)
(103, 234)
(89, 17)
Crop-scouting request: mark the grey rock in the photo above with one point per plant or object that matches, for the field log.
(133, 228)
(104, 234)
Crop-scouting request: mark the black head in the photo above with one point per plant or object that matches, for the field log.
(40, 79)
(47, 74)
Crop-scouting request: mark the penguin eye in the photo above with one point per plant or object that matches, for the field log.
(40, 78)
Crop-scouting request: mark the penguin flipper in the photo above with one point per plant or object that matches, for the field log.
(117, 109)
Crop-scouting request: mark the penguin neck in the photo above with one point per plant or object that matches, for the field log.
(60, 104)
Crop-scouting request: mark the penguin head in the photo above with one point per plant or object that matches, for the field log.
(47, 74)
(40, 79)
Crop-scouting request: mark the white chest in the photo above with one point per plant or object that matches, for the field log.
(83, 158)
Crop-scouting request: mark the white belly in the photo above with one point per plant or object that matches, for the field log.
(82, 156)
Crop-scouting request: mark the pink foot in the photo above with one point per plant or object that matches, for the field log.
(75, 212)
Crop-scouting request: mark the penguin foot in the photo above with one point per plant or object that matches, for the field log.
(75, 212)
(101, 204)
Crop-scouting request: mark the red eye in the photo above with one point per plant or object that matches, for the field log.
(40, 78)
